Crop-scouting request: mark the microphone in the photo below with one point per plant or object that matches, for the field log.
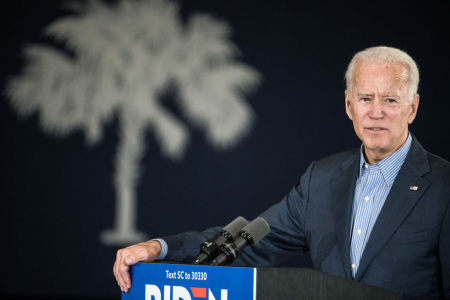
(250, 235)
(209, 250)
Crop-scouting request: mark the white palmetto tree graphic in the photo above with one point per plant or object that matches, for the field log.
(121, 58)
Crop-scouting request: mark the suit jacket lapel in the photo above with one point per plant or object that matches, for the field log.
(343, 189)
(399, 202)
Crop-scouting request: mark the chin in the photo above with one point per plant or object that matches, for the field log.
(376, 147)
(375, 144)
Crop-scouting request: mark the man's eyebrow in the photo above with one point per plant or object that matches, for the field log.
(383, 95)
(390, 95)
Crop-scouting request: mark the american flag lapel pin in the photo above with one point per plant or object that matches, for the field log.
(413, 188)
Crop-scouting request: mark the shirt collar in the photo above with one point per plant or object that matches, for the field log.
(389, 166)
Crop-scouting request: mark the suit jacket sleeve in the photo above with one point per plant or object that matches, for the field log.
(286, 237)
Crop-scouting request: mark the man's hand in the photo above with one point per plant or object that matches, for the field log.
(146, 252)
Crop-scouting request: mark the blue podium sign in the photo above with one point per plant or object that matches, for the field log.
(160, 281)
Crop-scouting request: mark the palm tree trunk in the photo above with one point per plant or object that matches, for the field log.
(129, 154)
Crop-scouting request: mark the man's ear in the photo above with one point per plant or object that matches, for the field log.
(414, 105)
(347, 105)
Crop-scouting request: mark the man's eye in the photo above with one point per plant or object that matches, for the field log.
(365, 99)
(391, 100)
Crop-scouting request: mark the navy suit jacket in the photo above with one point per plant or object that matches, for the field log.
(408, 250)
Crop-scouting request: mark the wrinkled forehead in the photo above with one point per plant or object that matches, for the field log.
(368, 73)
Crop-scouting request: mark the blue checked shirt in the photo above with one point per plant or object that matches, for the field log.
(372, 187)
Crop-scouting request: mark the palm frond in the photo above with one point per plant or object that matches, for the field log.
(208, 40)
(213, 100)
(63, 91)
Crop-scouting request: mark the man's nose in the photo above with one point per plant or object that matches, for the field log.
(377, 109)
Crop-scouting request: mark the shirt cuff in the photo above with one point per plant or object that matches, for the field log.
(164, 249)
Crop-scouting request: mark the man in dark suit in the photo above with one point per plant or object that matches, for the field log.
(379, 214)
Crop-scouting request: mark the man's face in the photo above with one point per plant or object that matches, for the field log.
(379, 107)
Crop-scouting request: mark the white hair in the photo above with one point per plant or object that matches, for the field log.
(385, 55)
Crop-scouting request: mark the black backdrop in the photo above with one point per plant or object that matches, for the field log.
(57, 193)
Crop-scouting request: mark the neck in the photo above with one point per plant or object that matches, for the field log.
(373, 156)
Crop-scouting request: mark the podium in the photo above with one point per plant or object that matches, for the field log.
(165, 281)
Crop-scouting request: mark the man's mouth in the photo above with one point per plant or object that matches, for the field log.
(376, 128)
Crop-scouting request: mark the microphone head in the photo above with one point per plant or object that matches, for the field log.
(257, 229)
(235, 227)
